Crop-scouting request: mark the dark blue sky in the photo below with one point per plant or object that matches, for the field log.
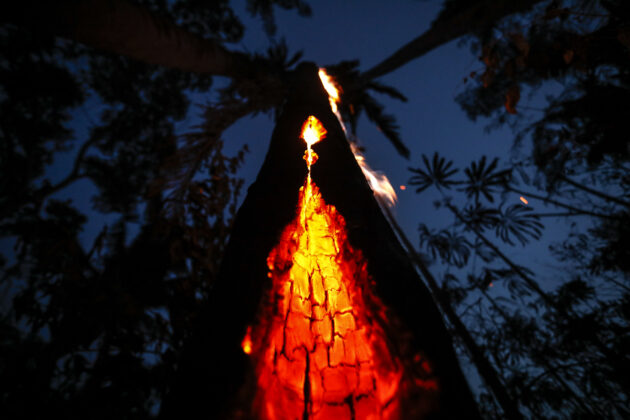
(431, 121)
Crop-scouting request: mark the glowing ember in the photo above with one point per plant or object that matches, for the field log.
(403, 187)
(319, 348)
(378, 181)
(246, 344)
(524, 200)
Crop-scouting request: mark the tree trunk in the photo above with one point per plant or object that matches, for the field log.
(127, 29)
(213, 369)
(475, 17)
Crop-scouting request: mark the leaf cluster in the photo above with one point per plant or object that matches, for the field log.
(583, 46)
(97, 316)
(356, 99)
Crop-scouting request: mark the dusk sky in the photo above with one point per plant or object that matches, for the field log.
(303, 305)
(431, 121)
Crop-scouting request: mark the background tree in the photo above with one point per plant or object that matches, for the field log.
(560, 348)
(90, 322)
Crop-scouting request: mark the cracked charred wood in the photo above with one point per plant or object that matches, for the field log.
(216, 377)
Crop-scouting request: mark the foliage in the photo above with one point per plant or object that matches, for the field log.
(582, 44)
(558, 349)
(559, 346)
(96, 324)
(356, 99)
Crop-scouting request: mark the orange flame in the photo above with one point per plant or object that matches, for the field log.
(378, 181)
(312, 132)
(333, 90)
(246, 344)
(320, 349)
(524, 200)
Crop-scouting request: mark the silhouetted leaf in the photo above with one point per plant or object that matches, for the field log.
(451, 248)
(436, 172)
(386, 123)
(516, 220)
(479, 217)
(484, 180)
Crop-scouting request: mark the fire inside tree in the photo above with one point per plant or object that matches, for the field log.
(318, 311)
(321, 349)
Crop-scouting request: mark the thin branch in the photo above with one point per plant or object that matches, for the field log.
(559, 214)
(559, 204)
(594, 192)
(484, 367)
(529, 281)
(74, 175)
(479, 15)
(578, 401)
(127, 29)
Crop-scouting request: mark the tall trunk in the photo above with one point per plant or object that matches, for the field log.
(481, 14)
(213, 369)
(127, 29)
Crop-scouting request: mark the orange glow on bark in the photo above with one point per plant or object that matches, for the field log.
(322, 355)
(319, 348)
(246, 344)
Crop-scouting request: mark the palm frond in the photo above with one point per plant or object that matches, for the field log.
(387, 90)
(436, 172)
(482, 179)
(450, 247)
(386, 123)
(477, 216)
(517, 221)
(355, 99)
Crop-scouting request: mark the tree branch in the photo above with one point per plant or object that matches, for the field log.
(74, 173)
(530, 282)
(594, 192)
(484, 367)
(575, 210)
(479, 15)
(124, 28)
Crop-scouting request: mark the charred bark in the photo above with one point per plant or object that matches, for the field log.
(213, 368)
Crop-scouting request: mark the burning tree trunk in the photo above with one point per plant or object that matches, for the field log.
(322, 296)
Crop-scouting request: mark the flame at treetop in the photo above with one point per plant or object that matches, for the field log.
(378, 181)
(333, 90)
(319, 348)
(312, 132)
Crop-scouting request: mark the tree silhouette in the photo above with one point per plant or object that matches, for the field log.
(103, 329)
